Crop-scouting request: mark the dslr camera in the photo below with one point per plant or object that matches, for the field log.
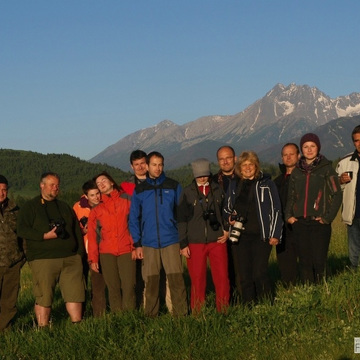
(213, 221)
(60, 231)
(237, 228)
(84, 221)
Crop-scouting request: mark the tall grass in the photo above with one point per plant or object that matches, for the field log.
(303, 322)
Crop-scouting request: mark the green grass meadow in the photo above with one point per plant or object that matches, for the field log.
(304, 322)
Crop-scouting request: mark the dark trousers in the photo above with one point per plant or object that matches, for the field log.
(9, 289)
(119, 274)
(287, 256)
(169, 259)
(98, 293)
(313, 241)
(252, 256)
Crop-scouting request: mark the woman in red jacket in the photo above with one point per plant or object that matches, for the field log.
(110, 244)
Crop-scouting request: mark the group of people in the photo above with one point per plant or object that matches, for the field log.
(127, 237)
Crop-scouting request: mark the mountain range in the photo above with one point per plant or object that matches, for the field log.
(283, 115)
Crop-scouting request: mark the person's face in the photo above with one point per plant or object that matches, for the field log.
(3, 192)
(93, 196)
(202, 180)
(104, 184)
(356, 141)
(226, 160)
(248, 169)
(155, 167)
(49, 188)
(139, 167)
(290, 156)
(310, 151)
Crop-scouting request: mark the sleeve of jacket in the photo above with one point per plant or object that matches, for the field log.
(93, 246)
(25, 222)
(78, 234)
(182, 220)
(178, 193)
(341, 167)
(335, 196)
(288, 212)
(278, 220)
(135, 219)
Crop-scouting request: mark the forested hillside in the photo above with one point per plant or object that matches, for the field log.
(24, 168)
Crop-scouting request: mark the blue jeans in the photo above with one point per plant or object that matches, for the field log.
(354, 242)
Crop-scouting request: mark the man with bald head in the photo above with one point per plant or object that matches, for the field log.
(54, 250)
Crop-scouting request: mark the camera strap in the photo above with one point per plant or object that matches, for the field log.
(200, 195)
(44, 203)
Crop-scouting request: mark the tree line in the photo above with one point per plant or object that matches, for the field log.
(24, 168)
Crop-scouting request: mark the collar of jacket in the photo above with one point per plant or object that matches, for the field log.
(84, 203)
(354, 156)
(113, 194)
(156, 181)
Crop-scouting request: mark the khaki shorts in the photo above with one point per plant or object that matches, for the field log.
(68, 272)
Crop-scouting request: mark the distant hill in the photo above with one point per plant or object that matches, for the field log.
(24, 168)
(283, 114)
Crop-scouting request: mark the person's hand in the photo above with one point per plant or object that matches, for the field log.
(222, 239)
(94, 267)
(320, 220)
(139, 253)
(345, 178)
(133, 255)
(185, 252)
(273, 241)
(292, 220)
(231, 222)
(85, 229)
(50, 234)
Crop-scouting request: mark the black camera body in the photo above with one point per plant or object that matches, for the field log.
(237, 228)
(60, 231)
(213, 221)
(84, 221)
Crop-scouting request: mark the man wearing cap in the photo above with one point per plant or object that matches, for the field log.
(153, 226)
(202, 236)
(348, 171)
(54, 250)
(11, 256)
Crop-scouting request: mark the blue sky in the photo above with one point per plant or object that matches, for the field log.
(77, 76)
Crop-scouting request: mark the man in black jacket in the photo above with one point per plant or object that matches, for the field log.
(286, 250)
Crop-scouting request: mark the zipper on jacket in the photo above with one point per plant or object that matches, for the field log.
(157, 217)
(306, 193)
(259, 208)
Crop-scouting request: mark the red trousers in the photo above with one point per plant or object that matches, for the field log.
(197, 267)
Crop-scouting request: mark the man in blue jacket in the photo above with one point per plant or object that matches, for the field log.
(153, 226)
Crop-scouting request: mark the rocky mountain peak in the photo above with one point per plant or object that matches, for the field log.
(284, 113)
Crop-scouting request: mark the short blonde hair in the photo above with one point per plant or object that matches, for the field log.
(247, 156)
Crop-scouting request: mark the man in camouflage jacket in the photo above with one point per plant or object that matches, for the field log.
(11, 257)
